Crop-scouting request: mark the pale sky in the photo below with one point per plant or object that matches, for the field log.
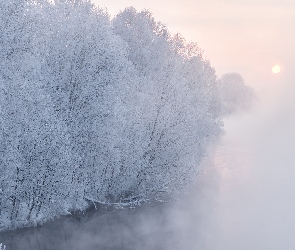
(244, 36)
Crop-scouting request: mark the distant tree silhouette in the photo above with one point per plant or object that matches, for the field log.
(235, 94)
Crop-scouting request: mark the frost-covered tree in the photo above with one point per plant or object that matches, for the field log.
(32, 138)
(93, 109)
(174, 115)
(88, 71)
(234, 93)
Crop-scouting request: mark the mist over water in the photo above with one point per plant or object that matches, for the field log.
(243, 199)
(256, 207)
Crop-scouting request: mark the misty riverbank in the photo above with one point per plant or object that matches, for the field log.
(198, 221)
(95, 229)
(151, 226)
(173, 225)
(189, 223)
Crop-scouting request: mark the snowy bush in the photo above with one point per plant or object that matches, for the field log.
(94, 109)
(2, 247)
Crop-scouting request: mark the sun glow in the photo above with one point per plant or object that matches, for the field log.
(276, 69)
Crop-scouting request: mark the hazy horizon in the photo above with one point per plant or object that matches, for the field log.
(247, 37)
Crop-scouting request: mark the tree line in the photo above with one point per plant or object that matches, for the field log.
(94, 109)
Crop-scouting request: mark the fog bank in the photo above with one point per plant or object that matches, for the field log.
(256, 209)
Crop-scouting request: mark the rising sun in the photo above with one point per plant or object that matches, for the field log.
(276, 69)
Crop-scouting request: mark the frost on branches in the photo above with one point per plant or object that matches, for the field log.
(93, 109)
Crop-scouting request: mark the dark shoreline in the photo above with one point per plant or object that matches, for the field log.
(64, 233)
